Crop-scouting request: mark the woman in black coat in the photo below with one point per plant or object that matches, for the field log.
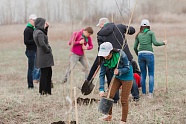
(44, 57)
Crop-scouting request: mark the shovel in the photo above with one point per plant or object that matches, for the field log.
(88, 86)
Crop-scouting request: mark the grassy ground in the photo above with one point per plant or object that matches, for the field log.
(18, 105)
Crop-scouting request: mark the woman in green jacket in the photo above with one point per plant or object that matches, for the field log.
(143, 49)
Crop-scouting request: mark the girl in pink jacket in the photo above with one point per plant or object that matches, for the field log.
(79, 42)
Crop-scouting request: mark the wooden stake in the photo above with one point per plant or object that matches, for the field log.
(85, 58)
(76, 110)
(113, 17)
(166, 71)
(92, 91)
(112, 81)
(71, 80)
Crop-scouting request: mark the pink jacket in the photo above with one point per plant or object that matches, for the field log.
(75, 42)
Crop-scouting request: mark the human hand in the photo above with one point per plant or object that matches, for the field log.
(84, 47)
(116, 71)
(101, 93)
(47, 24)
(81, 41)
(165, 42)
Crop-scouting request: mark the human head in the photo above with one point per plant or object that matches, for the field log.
(145, 22)
(88, 31)
(102, 21)
(40, 23)
(105, 49)
(32, 18)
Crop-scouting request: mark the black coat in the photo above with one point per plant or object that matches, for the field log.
(135, 67)
(28, 39)
(115, 34)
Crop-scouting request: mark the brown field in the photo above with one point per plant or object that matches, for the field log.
(18, 105)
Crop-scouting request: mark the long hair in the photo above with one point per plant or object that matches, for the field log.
(141, 30)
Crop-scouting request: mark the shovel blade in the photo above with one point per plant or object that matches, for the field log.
(87, 87)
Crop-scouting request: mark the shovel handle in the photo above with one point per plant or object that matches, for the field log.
(111, 83)
(96, 72)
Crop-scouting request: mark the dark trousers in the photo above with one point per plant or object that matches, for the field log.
(108, 75)
(135, 90)
(93, 69)
(31, 55)
(45, 81)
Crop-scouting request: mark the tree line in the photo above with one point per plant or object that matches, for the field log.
(82, 11)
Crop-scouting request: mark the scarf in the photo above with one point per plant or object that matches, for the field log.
(86, 39)
(146, 30)
(113, 61)
(29, 25)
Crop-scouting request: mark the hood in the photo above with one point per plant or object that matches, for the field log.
(40, 23)
(106, 30)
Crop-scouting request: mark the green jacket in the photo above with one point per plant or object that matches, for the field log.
(145, 40)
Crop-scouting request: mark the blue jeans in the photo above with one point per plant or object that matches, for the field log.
(109, 76)
(37, 73)
(146, 60)
(31, 55)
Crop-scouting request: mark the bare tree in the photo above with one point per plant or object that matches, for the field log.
(25, 10)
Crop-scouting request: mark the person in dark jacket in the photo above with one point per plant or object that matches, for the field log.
(136, 81)
(137, 73)
(44, 57)
(115, 34)
(33, 73)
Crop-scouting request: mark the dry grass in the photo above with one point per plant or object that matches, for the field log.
(19, 105)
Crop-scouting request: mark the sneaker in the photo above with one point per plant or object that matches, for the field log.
(30, 87)
(122, 122)
(106, 118)
(35, 81)
(143, 95)
(135, 99)
(150, 95)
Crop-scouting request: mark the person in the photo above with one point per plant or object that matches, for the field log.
(143, 49)
(136, 73)
(135, 85)
(80, 41)
(123, 76)
(136, 81)
(33, 74)
(115, 34)
(44, 56)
